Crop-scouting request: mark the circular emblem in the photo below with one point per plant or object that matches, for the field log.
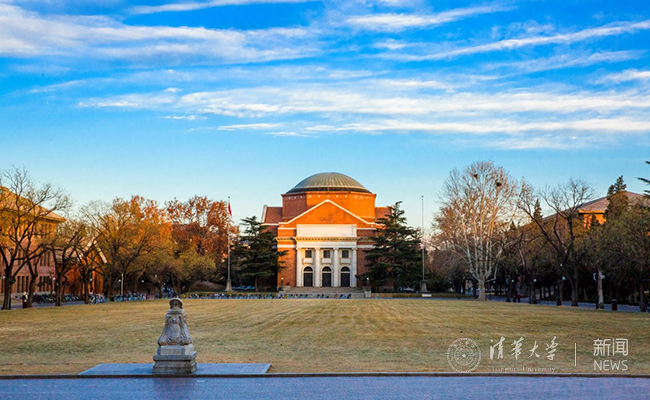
(464, 355)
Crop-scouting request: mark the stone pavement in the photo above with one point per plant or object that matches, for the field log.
(329, 387)
(203, 369)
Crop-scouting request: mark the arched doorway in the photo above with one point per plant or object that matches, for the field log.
(345, 277)
(308, 277)
(327, 277)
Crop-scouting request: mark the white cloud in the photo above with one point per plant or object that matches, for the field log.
(200, 5)
(627, 75)
(28, 34)
(569, 60)
(510, 44)
(248, 127)
(184, 117)
(399, 22)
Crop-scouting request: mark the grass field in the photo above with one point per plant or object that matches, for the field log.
(316, 335)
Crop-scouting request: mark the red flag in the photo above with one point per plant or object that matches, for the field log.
(229, 209)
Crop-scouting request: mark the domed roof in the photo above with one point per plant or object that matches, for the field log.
(329, 182)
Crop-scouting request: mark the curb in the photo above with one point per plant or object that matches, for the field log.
(334, 375)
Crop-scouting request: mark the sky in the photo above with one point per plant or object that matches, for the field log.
(245, 98)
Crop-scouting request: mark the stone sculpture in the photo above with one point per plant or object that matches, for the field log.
(176, 353)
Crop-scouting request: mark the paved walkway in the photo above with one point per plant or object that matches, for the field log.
(608, 307)
(335, 387)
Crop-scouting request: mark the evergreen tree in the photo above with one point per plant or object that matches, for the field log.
(646, 181)
(256, 254)
(396, 253)
(618, 201)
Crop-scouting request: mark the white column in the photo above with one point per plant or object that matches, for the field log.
(299, 266)
(335, 267)
(353, 272)
(316, 267)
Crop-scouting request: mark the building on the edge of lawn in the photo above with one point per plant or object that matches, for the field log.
(325, 224)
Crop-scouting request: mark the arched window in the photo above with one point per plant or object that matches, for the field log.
(345, 277)
(308, 277)
(327, 277)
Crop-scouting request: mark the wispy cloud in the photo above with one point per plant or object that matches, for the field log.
(570, 60)
(616, 29)
(626, 76)
(29, 34)
(399, 22)
(248, 127)
(200, 5)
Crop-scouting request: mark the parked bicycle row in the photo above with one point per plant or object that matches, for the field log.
(265, 296)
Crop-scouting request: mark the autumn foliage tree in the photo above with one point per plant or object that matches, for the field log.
(200, 226)
(129, 232)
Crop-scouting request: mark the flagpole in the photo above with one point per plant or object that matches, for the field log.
(423, 283)
(228, 282)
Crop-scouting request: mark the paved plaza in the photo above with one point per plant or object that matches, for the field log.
(329, 387)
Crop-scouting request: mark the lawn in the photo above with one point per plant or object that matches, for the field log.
(317, 335)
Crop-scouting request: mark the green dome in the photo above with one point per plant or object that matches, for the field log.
(328, 182)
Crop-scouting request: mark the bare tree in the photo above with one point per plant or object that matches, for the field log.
(562, 229)
(478, 206)
(28, 221)
(67, 248)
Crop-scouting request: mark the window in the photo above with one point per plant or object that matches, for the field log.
(327, 254)
(345, 254)
(307, 253)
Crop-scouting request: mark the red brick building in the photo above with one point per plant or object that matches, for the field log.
(325, 224)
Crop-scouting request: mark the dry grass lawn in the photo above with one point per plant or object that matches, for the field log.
(315, 335)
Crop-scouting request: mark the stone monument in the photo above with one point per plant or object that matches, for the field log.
(176, 353)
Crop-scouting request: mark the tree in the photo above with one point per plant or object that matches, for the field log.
(67, 249)
(202, 225)
(478, 206)
(395, 256)
(646, 181)
(562, 229)
(28, 221)
(129, 231)
(256, 254)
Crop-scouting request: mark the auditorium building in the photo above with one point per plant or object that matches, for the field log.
(325, 224)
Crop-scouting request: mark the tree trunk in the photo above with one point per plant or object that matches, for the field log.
(256, 283)
(57, 293)
(86, 289)
(481, 288)
(575, 294)
(601, 301)
(509, 290)
(531, 293)
(6, 302)
(30, 291)
(642, 302)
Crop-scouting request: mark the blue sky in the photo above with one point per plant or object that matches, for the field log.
(245, 98)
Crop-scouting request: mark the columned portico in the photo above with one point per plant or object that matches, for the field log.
(299, 271)
(317, 267)
(317, 262)
(353, 273)
(335, 267)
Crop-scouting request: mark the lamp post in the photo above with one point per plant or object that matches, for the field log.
(559, 294)
(228, 281)
(423, 282)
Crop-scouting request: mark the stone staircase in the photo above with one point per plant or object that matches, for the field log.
(356, 292)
